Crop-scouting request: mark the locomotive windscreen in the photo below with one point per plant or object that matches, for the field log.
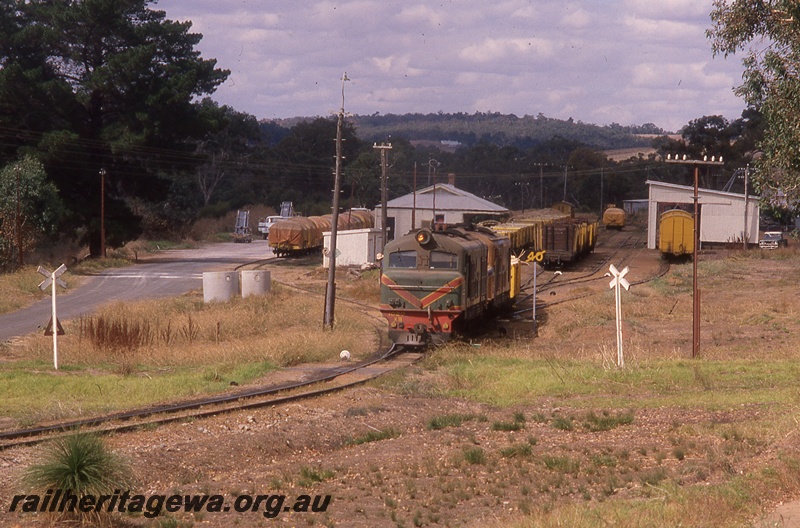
(443, 260)
(403, 259)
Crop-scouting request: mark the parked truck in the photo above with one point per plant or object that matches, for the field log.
(287, 211)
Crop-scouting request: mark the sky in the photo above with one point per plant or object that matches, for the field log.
(597, 61)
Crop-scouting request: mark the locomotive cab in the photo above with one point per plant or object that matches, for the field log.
(430, 281)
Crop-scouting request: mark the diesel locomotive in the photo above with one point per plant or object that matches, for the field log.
(437, 281)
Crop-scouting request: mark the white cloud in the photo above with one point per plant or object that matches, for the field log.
(492, 49)
(396, 65)
(577, 19)
(660, 30)
(420, 16)
(585, 59)
(668, 9)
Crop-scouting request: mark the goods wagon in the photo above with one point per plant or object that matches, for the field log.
(563, 238)
(676, 233)
(568, 240)
(295, 236)
(301, 235)
(614, 217)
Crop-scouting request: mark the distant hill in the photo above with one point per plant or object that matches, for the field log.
(501, 129)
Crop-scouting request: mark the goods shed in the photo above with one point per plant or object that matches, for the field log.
(442, 203)
(725, 217)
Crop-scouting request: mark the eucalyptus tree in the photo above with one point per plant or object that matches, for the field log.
(30, 209)
(102, 84)
(768, 32)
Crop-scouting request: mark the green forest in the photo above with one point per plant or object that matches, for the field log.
(105, 107)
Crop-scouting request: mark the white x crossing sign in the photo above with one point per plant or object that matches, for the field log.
(50, 275)
(51, 279)
(618, 277)
(616, 282)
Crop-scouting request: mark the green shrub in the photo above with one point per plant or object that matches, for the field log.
(475, 455)
(448, 420)
(607, 421)
(82, 464)
(508, 426)
(374, 436)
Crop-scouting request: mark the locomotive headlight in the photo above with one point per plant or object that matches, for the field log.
(423, 237)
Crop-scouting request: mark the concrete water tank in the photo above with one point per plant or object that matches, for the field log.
(255, 282)
(220, 285)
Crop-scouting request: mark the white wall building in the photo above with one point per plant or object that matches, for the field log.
(722, 214)
(449, 204)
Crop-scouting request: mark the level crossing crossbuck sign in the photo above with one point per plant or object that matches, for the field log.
(51, 279)
(616, 282)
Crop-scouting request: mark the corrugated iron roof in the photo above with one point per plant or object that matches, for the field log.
(448, 198)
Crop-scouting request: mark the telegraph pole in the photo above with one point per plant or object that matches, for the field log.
(432, 163)
(414, 205)
(19, 221)
(541, 185)
(522, 186)
(601, 192)
(384, 168)
(103, 213)
(330, 290)
(696, 197)
(746, 174)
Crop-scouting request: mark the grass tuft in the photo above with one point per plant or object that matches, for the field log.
(83, 465)
(309, 476)
(475, 456)
(562, 464)
(606, 421)
(374, 436)
(449, 420)
(517, 451)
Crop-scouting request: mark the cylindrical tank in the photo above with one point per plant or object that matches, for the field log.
(614, 217)
(255, 282)
(220, 285)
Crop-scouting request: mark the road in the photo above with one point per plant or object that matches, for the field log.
(166, 274)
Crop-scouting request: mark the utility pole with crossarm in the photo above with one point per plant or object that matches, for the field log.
(695, 291)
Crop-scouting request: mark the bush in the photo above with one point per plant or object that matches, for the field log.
(83, 465)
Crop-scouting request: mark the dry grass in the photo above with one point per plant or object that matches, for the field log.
(709, 441)
(19, 289)
(133, 354)
(282, 327)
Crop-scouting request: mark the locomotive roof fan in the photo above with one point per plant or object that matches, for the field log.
(424, 237)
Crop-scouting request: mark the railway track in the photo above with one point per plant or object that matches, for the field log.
(619, 248)
(323, 381)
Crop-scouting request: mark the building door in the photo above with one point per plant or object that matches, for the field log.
(389, 228)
